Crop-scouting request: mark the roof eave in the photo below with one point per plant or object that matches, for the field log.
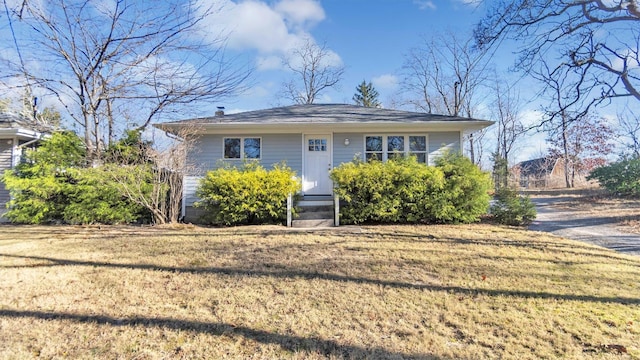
(20, 133)
(295, 127)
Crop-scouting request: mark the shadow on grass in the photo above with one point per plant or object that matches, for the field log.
(293, 274)
(290, 343)
(572, 247)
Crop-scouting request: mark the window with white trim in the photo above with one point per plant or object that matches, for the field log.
(384, 147)
(240, 148)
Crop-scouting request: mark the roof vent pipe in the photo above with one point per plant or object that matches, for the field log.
(220, 111)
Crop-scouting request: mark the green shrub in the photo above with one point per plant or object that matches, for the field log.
(39, 185)
(510, 208)
(405, 191)
(465, 196)
(95, 198)
(620, 178)
(52, 186)
(246, 195)
(400, 190)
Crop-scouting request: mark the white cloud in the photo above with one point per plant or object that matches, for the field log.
(269, 62)
(385, 82)
(259, 91)
(531, 117)
(300, 13)
(328, 57)
(473, 3)
(256, 25)
(630, 56)
(425, 4)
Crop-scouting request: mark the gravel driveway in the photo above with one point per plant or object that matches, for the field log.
(599, 228)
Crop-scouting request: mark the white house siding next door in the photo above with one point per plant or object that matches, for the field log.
(317, 164)
(6, 151)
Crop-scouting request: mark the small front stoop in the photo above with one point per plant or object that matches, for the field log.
(314, 213)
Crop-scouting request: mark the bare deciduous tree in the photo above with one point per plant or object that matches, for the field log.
(155, 179)
(443, 76)
(122, 64)
(564, 107)
(579, 138)
(314, 68)
(583, 145)
(571, 33)
(509, 126)
(629, 132)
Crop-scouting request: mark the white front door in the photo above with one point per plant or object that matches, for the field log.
(317, 164)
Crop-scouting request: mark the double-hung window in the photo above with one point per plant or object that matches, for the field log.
(384, 147)
(242, 148)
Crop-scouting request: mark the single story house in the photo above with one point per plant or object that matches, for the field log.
(16, 133)
(313, 139)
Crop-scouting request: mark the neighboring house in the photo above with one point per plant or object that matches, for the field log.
(546, 172)
(313, 139)
(15, 134)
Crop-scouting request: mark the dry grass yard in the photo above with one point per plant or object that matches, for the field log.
(388, 292)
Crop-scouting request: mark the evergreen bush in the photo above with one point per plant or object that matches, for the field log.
(510, 208)
(405, 191)
(399, 190)
(52, 185)
(249, 194)
(465, 196)
(621, 178)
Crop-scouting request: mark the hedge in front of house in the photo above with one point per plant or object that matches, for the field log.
(466, 192)
(405, 191)
(396, 191)
(249, 194)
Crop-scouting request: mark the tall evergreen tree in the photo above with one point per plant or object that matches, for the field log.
(366, 95)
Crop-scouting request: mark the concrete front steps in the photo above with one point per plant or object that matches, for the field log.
(314, 212)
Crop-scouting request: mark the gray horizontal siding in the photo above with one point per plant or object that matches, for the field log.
(6, 152)
(439, 142)
(342, 153)
(189, 188)
(278, 147)
(208, 150)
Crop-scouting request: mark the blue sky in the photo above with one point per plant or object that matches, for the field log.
(370, 39)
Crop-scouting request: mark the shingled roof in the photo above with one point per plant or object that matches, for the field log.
(11, 121)
(15, 125)
(333, 115)
(537, 167)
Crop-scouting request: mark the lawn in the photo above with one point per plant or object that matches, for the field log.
(414, 292)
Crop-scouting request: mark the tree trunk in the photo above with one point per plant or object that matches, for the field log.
(565, 148)
(472, 151)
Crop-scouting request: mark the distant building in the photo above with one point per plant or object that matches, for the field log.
(546, 172)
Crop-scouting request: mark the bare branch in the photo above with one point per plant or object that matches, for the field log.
(314, 71)
(571, 31)
(119, 64)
